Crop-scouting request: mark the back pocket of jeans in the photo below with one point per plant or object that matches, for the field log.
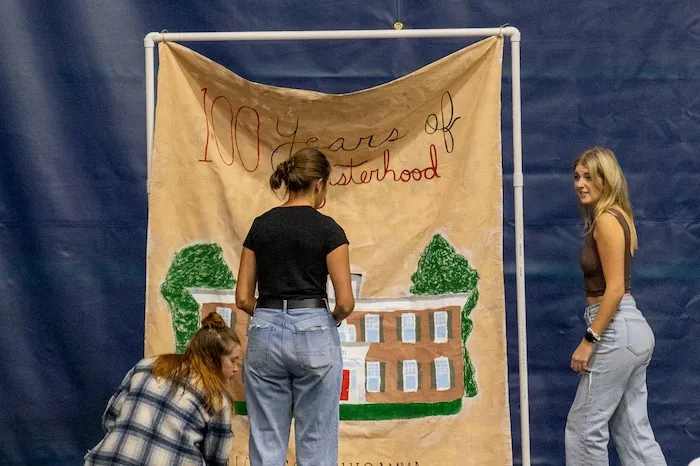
(312, 342)
(258, 347)
(639, 339)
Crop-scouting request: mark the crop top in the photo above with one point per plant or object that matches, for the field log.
(593, 278)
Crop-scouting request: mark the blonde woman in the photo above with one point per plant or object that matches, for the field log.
(175, 408)
(615, 351)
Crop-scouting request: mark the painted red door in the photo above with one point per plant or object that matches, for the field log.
(345, 388)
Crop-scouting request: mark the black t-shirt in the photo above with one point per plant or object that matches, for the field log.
(290, 246)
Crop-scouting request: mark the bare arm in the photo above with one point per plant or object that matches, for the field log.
(610, 238)
(247, 279)
(338, 262)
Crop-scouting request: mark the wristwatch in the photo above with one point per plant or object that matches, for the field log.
(591, 336)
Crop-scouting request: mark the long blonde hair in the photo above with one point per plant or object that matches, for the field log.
(607, 176)
(201, 362)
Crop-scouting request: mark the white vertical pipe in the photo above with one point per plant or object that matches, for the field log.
(520, 250)
(148, 45)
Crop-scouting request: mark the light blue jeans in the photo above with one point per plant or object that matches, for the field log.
(611, 400)
(293, 365)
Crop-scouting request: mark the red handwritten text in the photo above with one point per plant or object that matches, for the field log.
(352, 174)
(245, 116)
(333, 144)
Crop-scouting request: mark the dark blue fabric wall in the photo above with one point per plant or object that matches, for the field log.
(73, 204)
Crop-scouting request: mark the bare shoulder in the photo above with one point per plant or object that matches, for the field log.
(608, 227)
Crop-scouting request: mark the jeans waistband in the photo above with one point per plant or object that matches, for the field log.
(627, 305)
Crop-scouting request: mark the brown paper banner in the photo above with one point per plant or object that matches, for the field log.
(417, 186)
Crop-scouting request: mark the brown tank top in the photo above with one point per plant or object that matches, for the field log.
(593, 278)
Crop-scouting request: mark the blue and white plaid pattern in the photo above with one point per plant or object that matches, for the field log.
(145, 426)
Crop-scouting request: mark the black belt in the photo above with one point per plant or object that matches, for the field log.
(275, 303)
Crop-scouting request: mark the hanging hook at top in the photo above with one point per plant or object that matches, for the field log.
(398, 25)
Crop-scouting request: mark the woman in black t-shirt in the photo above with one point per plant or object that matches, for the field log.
(293, 360)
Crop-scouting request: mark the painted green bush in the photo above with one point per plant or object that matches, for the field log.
(441, 270)
(197, 266)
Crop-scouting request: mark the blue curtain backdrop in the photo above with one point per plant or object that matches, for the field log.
(73, 203)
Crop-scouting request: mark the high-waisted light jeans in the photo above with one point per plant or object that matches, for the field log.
(293, 367)
(611, 400)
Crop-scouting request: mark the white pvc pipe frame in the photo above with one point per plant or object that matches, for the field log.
(507, 31)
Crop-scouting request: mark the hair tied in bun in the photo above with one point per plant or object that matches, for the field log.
(288, 167)
(213, 321)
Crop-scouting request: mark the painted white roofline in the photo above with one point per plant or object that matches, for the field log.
(416, 303)
(209, 295)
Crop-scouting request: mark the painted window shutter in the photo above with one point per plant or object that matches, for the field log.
(433, 381)
(398, 328)
(381, 328)
(419, 375)
(399, 366)
(362, 330)
(431, 319)
(449, 325)
(382, 376)
(417, 328)
(452, 373)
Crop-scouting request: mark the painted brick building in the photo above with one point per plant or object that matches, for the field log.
(395, 350)
(403, 350)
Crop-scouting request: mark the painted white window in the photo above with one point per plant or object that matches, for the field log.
(408, 328)
(440, 324)
(353, 381)
(347, 333)
(410, 376)
(225, 313)
(442, 373)
(372, 328)
(355, 284)
(374, 377)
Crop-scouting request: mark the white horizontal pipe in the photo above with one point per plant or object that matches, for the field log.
(508, 31)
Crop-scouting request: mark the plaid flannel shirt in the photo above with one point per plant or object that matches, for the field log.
(145, 426)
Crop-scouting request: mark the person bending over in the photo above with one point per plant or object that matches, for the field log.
(174, 408)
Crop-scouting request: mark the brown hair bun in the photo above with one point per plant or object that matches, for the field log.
(301, 170)
(213, 321)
